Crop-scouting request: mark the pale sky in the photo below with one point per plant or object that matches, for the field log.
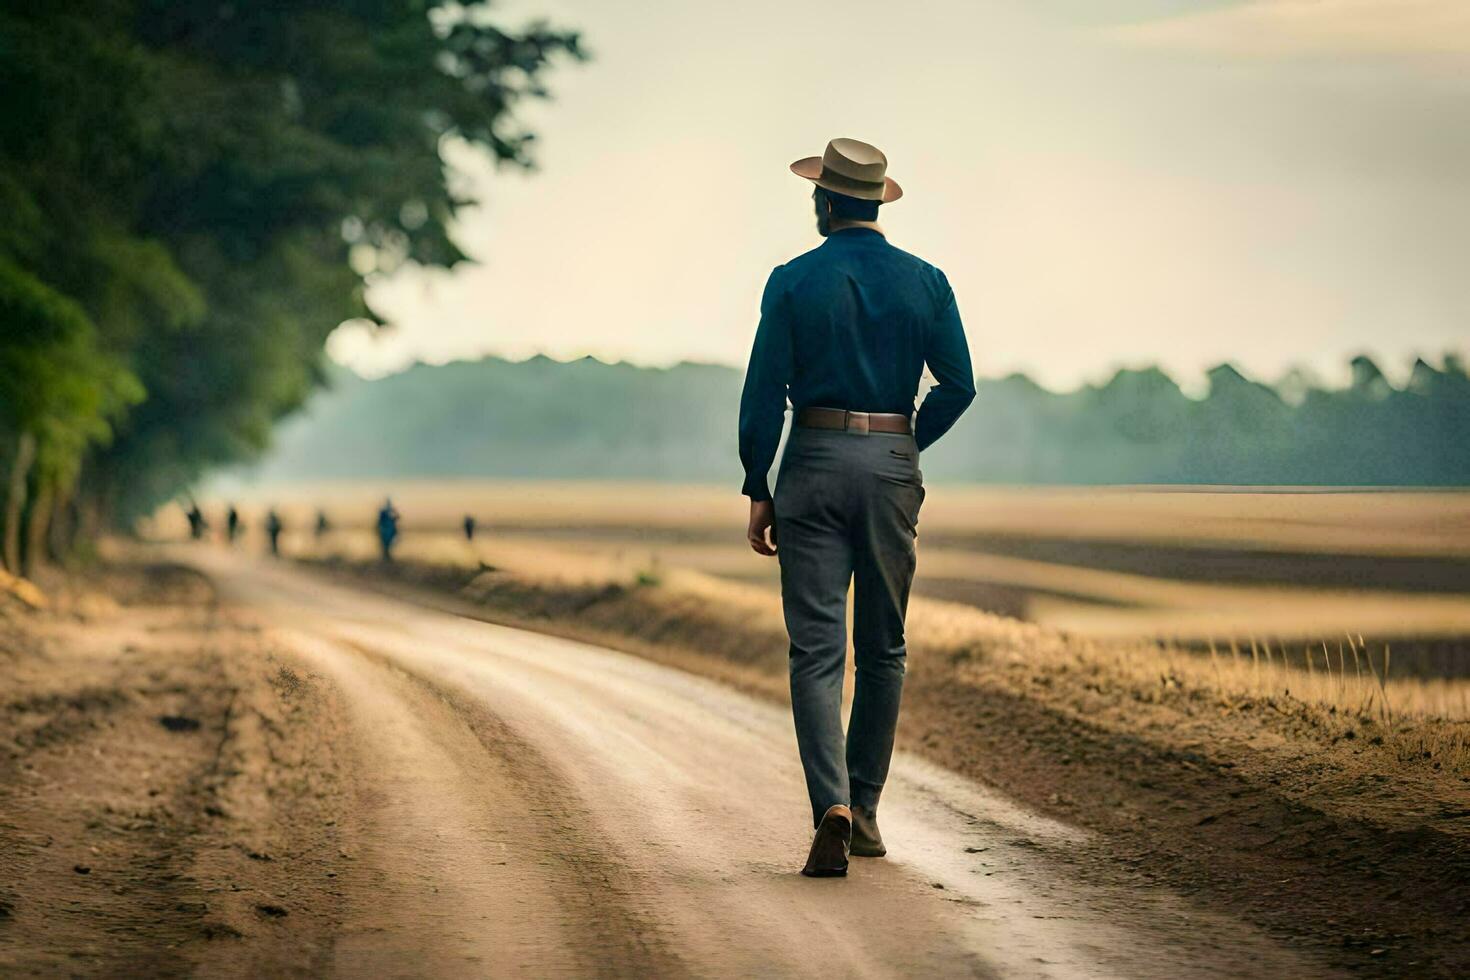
(1105, 182)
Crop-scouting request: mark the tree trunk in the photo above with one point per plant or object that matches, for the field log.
(92, 505)
(25, 454)
(38, 520)
(63, 526)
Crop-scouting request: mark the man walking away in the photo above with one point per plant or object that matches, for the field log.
(233, 526)
(387, 529)
(322, 524)
(197, 524)
(845, 332)
(469, 527)
(273, 528)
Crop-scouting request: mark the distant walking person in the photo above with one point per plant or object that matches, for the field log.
(273, 528)
(387, 528)
(469, 527)
(197, 524)
(322, 524)
(233, 525)
(845, 332)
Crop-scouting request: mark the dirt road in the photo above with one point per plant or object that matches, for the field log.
(268, 774)
(524, 805)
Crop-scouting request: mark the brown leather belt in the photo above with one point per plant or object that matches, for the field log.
(837, 418)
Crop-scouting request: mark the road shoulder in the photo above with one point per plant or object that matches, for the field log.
(172, 788)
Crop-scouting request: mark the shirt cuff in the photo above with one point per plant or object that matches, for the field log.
(756, 488)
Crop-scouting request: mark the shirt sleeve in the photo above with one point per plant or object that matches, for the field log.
(948, 355)
(763, 401)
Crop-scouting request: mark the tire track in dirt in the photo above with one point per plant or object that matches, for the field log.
(472, 859)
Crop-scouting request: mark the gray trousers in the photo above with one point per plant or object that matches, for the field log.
(847, 505)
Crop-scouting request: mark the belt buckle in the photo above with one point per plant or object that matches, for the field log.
(857, 422)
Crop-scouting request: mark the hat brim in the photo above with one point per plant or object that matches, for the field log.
(810, 168)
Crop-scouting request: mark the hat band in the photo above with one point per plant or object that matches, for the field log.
(856, 183)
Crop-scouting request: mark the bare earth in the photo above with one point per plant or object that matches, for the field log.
(291, 776)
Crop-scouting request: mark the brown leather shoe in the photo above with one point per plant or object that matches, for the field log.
(866, 840)
(828, 857)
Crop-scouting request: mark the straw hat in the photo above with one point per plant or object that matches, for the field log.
(851, 167)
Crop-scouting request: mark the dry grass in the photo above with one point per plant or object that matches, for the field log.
(1346, 688)
(1341, 686)
(1351, 677)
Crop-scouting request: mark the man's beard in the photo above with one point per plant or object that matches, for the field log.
(824, 217)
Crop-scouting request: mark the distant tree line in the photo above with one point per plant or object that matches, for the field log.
(192, 196)
(1139, 427)
(587, 419)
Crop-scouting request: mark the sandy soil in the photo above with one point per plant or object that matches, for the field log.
(290, 776)
(171, 791)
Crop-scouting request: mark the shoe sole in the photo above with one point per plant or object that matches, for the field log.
(858, 850)
(831, 832)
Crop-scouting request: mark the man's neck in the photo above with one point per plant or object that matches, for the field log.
(844, 224)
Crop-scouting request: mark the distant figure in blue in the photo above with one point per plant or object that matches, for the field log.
(469, 527)
(387, 528)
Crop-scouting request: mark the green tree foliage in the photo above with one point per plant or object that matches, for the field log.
(195, 195)
(59, 393)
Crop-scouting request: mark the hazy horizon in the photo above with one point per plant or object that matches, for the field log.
(1194, 385)
(1272, 183)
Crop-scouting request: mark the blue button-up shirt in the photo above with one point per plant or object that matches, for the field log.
(851, 325)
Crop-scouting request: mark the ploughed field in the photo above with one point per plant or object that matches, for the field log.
(1295, 575)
